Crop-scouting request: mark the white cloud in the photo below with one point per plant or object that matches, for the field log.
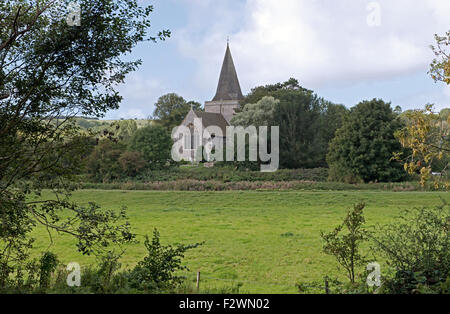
(320, 42)
(139, 96)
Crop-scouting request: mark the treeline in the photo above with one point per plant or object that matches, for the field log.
(356, 145)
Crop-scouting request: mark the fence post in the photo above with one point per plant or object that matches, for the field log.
(327, 289)
(198, 281)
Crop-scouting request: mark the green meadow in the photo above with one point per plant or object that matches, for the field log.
(265, 240)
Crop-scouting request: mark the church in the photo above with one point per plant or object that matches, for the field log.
(218, 112)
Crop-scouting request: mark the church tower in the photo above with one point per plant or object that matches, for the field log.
(228, 92)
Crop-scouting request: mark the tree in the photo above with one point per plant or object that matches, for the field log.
(155, 145)
(132, 163)
(49, 73)
(103, 163)
(299, 114)
(426, 136)
(332, 119)
(259, 114)
(170, 110)
(364, 146)
(440, 67)
(301, 143)
(426, 133)
(257, 93)
(345, 248)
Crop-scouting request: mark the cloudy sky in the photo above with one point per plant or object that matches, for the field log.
(346, 51)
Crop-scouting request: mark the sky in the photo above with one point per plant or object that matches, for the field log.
(346, 51)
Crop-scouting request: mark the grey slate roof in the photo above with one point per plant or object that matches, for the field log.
(215, 119)
(228, 87)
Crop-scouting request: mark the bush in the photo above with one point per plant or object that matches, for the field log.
(417, 250)
(156, 272)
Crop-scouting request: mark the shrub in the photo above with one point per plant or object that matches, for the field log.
(156, 272)
(417, 250)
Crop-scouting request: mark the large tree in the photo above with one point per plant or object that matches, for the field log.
(50, 72)
(364, 146)
(170, 110)
(426, 133)
(306, 121)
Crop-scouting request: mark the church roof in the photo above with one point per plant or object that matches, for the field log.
(213, 119)
(228, 87)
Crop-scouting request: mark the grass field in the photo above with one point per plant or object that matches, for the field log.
(268, 241)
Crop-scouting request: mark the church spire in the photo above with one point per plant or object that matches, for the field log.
(228, 87)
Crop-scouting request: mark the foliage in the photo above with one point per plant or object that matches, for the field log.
(157, 271)
(363, 147)
(427, 137)
(440, 67)
(345, 248)
(301, 116)
(51, 72)
(103, 164)
(48, 264)
(259, 114)
(257, 93)
(213, 185)
(332, 119)
(154, 143)
(123, 130)
(171, 109)
(417, 249)
(132, 163)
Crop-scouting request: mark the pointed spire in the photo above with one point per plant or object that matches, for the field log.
(228, 87)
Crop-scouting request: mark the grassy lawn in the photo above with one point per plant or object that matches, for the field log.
(268, 241)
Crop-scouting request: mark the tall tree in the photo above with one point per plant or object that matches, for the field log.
(302, 117)
(170, 110)
(426, 133)
(364, 146)
(49, 72)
